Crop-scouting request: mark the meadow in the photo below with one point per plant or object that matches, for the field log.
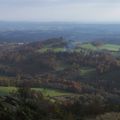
(109, 47)
(45, 91)
(77, 47)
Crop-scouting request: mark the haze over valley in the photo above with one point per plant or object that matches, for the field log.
(37, 31)
(59, 60)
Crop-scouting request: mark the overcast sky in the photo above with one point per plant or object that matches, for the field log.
(60, 10)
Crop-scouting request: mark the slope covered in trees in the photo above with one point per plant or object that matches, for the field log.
(77, 71)
(92, 76)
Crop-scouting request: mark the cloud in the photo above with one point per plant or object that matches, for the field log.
(60, 1)
(60, 10)
(20, 3)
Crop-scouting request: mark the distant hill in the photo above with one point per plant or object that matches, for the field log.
(60, 44)
(30, 31)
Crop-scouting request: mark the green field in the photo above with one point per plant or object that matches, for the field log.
(86, 71)
(109, 47)
(88, 46)
(6, 90)
(45, 91)
(42, 50)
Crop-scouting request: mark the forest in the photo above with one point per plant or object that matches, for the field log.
(87, 73)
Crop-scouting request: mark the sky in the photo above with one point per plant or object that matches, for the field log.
(87, 11)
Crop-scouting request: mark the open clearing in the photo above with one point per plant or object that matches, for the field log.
(42, 50)
(45, 91)
(109, 47)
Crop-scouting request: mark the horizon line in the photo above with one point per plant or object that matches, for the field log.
(75, 22)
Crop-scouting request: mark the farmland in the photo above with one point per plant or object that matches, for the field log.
(45, 91)
(77, 46)
(109, 47)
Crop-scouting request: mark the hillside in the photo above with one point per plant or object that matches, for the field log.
(61, 64)
(65, 78)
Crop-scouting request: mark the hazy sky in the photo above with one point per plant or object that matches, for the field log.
(60, 10)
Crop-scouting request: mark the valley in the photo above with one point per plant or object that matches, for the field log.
(61, 64)
(60, 78)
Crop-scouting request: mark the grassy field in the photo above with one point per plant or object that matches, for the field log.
(110, 47)
(45, 91)
(42, 50)
(6, 90)
(88, 46)
(85, 71)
